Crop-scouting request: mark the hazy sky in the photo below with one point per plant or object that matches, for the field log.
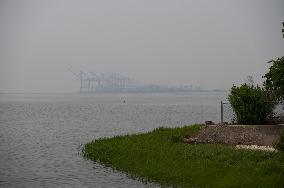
(168, 42)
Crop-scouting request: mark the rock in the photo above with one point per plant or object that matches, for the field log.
(263, 135)
(256, 147)
(189, 140)
(209, 123)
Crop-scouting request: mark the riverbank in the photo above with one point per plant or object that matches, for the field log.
(160, 156)
(261, 135)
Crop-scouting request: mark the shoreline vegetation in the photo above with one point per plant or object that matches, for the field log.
(161, 157)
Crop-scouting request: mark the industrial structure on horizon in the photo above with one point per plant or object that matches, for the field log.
(91, 82)
(105, 82)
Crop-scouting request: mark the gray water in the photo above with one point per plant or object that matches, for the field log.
(41, 135)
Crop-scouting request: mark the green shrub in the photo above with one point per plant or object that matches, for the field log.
(280, 143)
(275, 78)
(251, 104)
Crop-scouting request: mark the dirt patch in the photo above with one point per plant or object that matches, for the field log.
(262, 135)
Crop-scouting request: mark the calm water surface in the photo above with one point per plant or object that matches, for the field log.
(41, 135)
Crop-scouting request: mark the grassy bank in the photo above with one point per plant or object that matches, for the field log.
(161, 157)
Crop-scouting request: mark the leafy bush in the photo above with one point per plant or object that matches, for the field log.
(275, 78)
(280, 143)
(251, 104)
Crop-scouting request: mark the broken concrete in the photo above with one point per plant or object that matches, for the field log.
(262, 135)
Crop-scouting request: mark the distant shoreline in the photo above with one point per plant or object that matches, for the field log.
(105, 92)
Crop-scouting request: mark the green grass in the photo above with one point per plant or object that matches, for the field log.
(160, 157)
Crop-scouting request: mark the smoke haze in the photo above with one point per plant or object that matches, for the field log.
(210, 43)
